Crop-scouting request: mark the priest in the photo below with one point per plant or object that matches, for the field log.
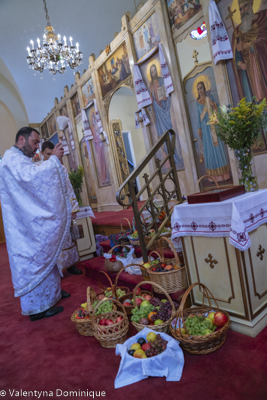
(37, 215)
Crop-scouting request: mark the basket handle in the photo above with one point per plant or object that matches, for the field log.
(154, 251)
(103, 301)
(206, 293)
(177, 260)
(205, 176)
(118, 245)
(158, 286)
(91, 296)
(100, 284)
(128, 223)
(122, 269)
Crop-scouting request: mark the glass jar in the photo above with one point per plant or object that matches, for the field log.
(247, 169)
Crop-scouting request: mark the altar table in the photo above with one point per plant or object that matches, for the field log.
(86, 243)
(224, 246)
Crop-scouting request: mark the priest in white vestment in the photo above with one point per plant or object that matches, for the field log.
(69, 255)
(37, 216)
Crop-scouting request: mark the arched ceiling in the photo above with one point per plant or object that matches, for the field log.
(92, 23)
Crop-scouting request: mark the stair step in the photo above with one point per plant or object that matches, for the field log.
(167, 252)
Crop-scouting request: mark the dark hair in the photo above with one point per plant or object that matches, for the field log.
(25, 132)
(47, 145)
(153, 65)
(204, 87)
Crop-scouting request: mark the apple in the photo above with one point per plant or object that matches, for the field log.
(151, 336)
(138, 291)
(144, 321)
(145, 303)
(211, 316)
(135, 346)
(139, 354)
(118, 319)
(220, 319)
(158, 322)
(147, 297)
(181, 331)
(102, 321)
(139, 301)
(109, 322)
(145, 346)
(126, 304)
(147, 265)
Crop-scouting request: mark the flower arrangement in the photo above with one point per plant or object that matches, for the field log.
(239, 127)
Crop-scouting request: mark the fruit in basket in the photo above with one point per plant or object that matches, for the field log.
(105, 307)
(135, 346)
(145, 303)
(102, 321)
(157, 346)
(164, 300)
(209, 323)
(144, 321)
(151, 336)
(181, 331)
(139, 301)
(158, 322)
(145, 346)
(211, 316)
(139, 354)
(163, 265)
(138, 291)
(126, 304)
(220, 319)
(147, 297)
(141, 341)
(146, 265)
(118, 319)
(109, 322)
(131, 352)
(150, 316)
(101, 297)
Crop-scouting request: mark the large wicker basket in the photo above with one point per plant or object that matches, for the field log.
(130, 294)
(199, 344)
(172, 281)
(157, 328)
(111, 335)
(84, 326)
(112, 288)
(116, 265)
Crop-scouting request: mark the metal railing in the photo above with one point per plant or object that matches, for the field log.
(156, 188)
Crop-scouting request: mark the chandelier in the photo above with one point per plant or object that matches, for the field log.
(53, 56)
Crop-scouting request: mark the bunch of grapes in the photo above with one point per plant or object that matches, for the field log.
(141, 312)
(105, 307)
(198, 325)
(155, 301)
(156, 347)
(119, 292)
(165, 310)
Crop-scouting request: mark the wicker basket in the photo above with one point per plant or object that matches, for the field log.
(172, 281)
(84, 326)
(199, 344)
(134, 241)
(111, 335)
(130, 294)
(156, 242)
(112, 288)
(116, 265)
(157, 328)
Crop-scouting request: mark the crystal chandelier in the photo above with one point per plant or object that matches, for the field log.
(53, 56)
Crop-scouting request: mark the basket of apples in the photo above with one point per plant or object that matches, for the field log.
(169, 274)
(110, 327)
(82, 316)
(154, 312)
(114, 291)
(200, 330)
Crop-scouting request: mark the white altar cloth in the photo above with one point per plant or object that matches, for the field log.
(234, 218)
(85, 212)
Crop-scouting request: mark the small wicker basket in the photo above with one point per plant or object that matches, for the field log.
(172, 281)
(156, 243)
(157, 328)
(116, 265)
(112, 288)
(130, 294)
(111, 335)
(84, 326)
(199, 344)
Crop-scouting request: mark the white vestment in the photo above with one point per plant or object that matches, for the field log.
(69, 255)
(37, 215)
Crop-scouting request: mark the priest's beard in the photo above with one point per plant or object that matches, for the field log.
(27, 150)
(246, 22)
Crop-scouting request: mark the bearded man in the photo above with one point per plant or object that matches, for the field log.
(249, 46)
(37, 215)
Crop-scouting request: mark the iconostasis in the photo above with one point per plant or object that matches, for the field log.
(111, 130)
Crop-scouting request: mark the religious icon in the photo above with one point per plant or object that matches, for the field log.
(64, 112)
(87, 157)
(88, 91)
(147, 36)
(160, 113)
(52, 126)
(246, 24)
(181, 11)
(75, 105)
(44, 131)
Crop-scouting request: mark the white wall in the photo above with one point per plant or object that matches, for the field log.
(13, 115)
(123, 107)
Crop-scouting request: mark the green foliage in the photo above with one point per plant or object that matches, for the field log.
(76, 179)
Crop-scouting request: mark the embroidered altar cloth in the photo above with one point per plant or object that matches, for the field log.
(234, 218)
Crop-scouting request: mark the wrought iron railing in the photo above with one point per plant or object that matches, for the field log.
(155, 188)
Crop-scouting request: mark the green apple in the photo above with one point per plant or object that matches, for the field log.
(211, 316)
(145, 303)
(151, 336)
(147, 265)
(158, 322)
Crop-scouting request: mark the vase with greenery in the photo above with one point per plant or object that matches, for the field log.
(239, 127)
(76, 179)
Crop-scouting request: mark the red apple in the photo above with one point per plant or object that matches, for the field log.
(139, 301)
(109, 322)
(147, 297)
(138, 291)
(146, 346)
(118, 319)
(126, 304)
(220, 319)
(102, 322)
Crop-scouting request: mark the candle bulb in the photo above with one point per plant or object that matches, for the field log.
(44, 37)
(77, 45)
(32, 44)
(38, 41)
(65, 41)
(28, 50)
(59, 38)
(71, 40)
